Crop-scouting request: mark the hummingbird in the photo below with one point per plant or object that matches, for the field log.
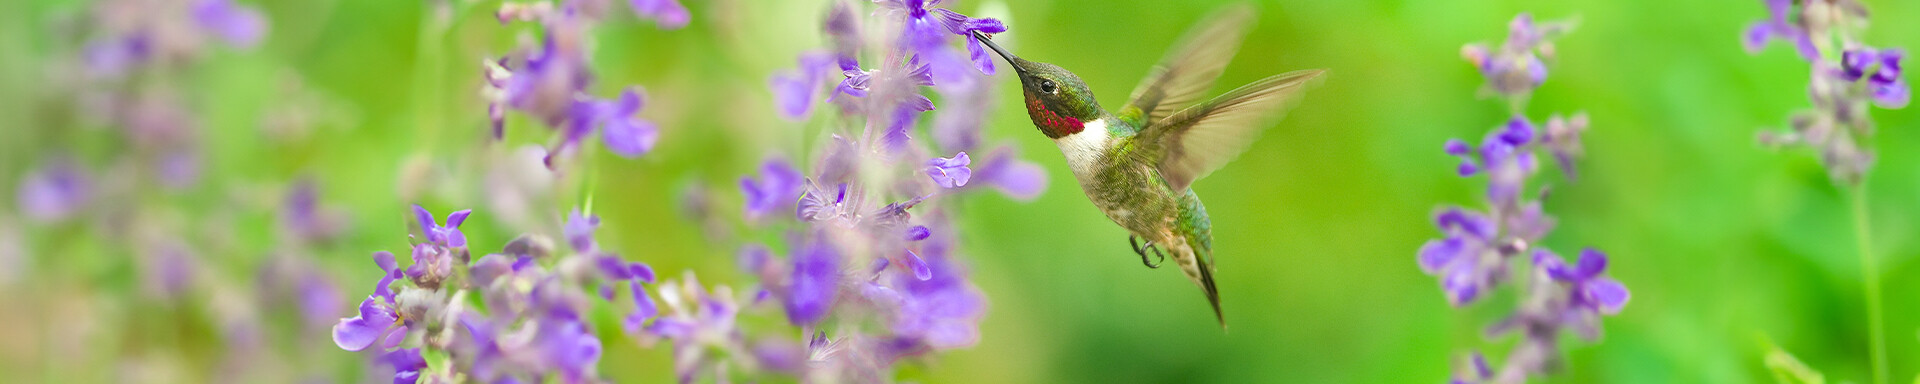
(1137, 164)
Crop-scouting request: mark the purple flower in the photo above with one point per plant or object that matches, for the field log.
(795, 91)
(777, 188)
(566, 346)
(856, 82)
(373, 322)
(938, 306)
(55, 192)
(927, 29)
(1458, 258)
(622, 132)
(1885, 86)
(239, 26)
(579, 231)
(432, 265)
(446, 236)
(949, 172)
(407, 364)
(377, 315)
(1516, 67)
(114, 56)
(699, 323)
(1563, 139)
(815, 280)
(546, 83)
(669, 14)
(1590, 291)
(1777, 26)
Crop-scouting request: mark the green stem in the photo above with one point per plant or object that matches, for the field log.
(1870, 272)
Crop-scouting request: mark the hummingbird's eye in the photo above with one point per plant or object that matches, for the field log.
(1047, 86)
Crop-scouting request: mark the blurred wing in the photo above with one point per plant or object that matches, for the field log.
(1184, 75)
(1200, 139)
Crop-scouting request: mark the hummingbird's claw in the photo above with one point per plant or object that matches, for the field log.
(1135, 241)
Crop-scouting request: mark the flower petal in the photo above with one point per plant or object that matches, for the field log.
(1610, 294)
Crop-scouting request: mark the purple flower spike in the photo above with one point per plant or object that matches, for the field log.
(239, 26)
(950, 172)
(447, 236)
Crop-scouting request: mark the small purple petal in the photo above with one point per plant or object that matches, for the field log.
(384, 259)
(644, 307)
(1610, 294)
(394, 338)
(920, 269)
(641, 272)
(239, 26)
(454, 220)
(354, 334)
(918, 232)
(1592, 263)
(669, 14)
(1437, 253)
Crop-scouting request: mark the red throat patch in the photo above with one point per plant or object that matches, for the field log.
(1050, 123)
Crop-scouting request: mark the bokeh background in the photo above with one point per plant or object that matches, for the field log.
(1728, 247)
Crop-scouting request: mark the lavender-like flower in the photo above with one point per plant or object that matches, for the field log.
(1517, 66)
(1478, 248)
(550, 81)
(1845, 79)
(55, 192)
(794, 92)
(533, 327)
(773, 192)
(1847, 76)
(444, 235)
(950, 172)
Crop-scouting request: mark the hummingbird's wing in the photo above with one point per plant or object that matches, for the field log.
(1188, 70)
(1196, 141)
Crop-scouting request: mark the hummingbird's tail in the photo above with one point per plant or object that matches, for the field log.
(1195, 257)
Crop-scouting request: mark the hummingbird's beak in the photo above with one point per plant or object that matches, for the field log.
(1011, 60)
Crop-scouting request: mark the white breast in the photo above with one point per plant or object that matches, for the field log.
(1084, 149)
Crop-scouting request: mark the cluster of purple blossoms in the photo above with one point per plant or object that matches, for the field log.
(531, 325)
(1479, 249)
(132, 46)
(549, 80)
(1847, 75)
(871, 274)
(1518, 66)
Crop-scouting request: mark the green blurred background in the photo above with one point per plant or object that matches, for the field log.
(1724, 244)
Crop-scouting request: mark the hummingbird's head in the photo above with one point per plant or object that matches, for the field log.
(1057, 101)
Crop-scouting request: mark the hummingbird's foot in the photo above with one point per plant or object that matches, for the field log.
(1135, 241)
